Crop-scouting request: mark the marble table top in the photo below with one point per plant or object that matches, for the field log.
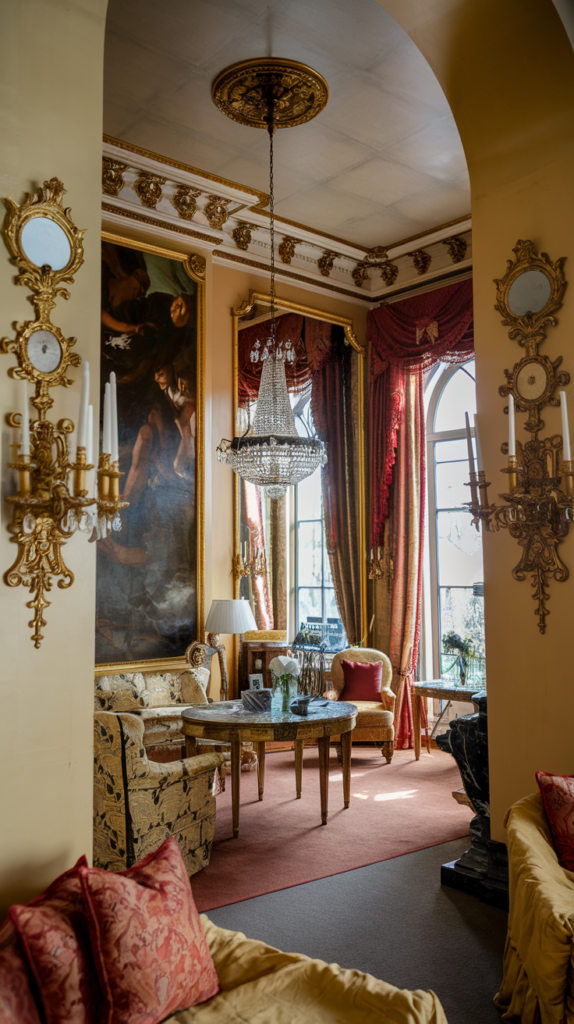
(232, 712)
(450, 686)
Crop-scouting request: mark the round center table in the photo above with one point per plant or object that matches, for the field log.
(230, 722)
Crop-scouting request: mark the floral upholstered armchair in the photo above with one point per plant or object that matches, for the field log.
(138, 803)
(158, 698)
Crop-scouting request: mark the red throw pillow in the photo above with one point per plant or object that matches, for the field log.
(362, 680)
(17, 1004)
(149, 947)
(557, 792)
(54, 935)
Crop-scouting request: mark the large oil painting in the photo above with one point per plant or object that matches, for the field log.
(147, 573)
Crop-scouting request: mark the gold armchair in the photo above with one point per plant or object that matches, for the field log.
(375, 721)
(139, 802)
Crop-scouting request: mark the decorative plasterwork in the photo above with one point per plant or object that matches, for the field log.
(233, 221)
(243, 91)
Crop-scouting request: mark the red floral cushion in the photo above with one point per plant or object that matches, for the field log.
(150, 949)
(17, 1004)
(362, 680)
(55, 938)
(557, 792)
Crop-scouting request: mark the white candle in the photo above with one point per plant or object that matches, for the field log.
(107, 438)
(25, 414)
(90, 437)
(566, 457)
(469, 443)
(114, 414)
(479, 462)
(84, 402)
(511, 429)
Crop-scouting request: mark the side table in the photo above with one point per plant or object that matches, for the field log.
(441, 689)
(230, 722)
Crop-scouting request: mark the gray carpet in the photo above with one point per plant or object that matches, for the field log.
(393, 920)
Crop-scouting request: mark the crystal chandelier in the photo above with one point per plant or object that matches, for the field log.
(271, 454)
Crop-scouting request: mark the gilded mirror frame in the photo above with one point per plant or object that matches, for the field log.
(243, 312)
(194, 266)
(529, 329)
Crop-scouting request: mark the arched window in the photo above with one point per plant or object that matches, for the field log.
(454, 577)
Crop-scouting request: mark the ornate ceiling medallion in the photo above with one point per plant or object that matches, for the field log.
(242, 92)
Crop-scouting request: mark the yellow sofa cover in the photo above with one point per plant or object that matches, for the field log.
(261, 985)
(537, 987)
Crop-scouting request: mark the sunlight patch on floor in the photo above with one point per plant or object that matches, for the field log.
(404, 794)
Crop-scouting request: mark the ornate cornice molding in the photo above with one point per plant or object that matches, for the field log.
(222, 215)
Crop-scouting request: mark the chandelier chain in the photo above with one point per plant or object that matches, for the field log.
(271, 130)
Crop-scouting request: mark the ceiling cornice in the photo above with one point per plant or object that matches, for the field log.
(227, 218)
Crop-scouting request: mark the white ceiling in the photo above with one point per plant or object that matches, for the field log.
(382, 162)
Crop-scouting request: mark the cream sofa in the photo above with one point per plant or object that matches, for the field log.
(261, 985)
(538, 983)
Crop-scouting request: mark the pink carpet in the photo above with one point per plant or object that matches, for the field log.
(395, 809)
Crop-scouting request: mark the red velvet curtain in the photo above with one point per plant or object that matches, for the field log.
(332, 408)
(406, 338)
(288, 328)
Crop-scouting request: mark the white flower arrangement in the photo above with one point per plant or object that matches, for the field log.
(283, 666)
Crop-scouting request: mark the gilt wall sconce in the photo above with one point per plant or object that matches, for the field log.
(52, 499)
(250, 564)
(537, 505)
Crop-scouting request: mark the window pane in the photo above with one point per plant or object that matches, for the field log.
(447, 451)
(450, 480)
(309, 497)
(327, 578)
(458, 397)
(309, 605)
(459, 550)
(462, 613)
(309, 555)
(336, 637)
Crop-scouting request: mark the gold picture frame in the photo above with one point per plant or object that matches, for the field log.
(247, 310)
(194, 266)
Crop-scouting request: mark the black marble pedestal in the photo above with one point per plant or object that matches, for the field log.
(482, 871)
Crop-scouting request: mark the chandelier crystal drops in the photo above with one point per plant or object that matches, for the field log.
(271, 454)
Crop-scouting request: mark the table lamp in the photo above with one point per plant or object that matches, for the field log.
(227, 616)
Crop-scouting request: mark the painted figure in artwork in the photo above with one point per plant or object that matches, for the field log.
(146, 594)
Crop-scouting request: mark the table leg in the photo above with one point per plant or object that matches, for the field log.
(323, 744)
(346, 744)
(235, 776)
(190, 746)
(261, 768)
(417, 725)
(298, 766)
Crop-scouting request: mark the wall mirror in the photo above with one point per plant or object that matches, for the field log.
(45, 243)
(300, 559)
(529, 294)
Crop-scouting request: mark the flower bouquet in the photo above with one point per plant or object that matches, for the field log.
(285, 679)
(463, 649)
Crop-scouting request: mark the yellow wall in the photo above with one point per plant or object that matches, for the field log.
(507, 70)
(51, 60)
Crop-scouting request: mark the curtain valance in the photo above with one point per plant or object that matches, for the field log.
(415, 333)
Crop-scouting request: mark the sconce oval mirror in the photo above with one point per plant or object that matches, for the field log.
(529, 292)
(45, 243)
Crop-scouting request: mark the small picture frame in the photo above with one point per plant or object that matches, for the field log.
(256, 681)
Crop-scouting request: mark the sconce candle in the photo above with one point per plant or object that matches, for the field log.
(114, 416)
(511, 429)
(107, 438)
(479, 462)
(84, 402)
(469, 443)
(25, 446)
(566, 456)
(90, 436)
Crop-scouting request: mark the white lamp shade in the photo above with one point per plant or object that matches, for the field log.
(230, 617)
